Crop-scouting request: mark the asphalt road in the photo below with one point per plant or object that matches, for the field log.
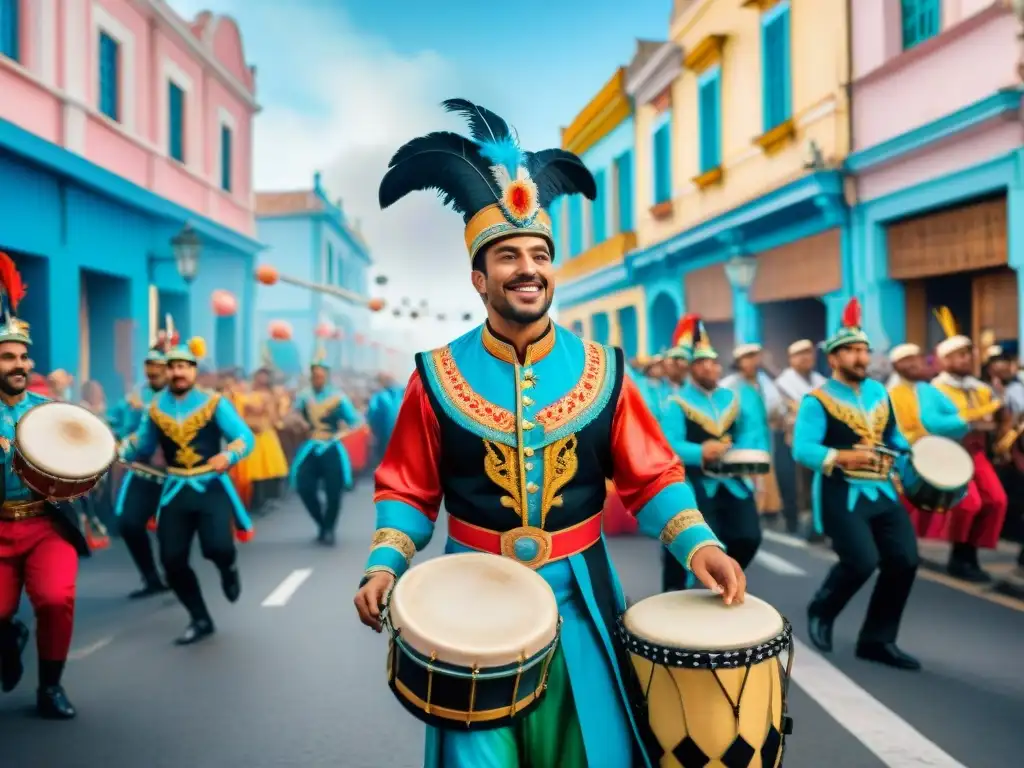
(302, 684)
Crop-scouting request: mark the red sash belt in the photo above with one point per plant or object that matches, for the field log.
(531, 546)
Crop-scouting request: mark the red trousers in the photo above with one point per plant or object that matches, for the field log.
(977, 520)
(34, 556)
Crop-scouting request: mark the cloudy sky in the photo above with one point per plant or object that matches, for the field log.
(343, 83)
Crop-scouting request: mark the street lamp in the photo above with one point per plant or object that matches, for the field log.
(187, 246)
(740, 271)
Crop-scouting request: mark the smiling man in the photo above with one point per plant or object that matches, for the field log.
(516, 426)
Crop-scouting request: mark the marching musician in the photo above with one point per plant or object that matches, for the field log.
(382, 411)
(323, 458)
(703, 422)
(793, 384)
(201, 436)
(40, 542)
(839, 428)
(1001, 372)
(139, 495)
(517, 425)
(977, 521)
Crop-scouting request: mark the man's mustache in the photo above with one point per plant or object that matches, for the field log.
(16, 372)
(534, 280)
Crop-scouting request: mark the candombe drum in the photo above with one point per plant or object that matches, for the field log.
(714, 678)
(62, 450)
(471, 639)
(935, 474)
(742, 461)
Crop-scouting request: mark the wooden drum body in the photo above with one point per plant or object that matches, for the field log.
(472, 636)
(62, 450)
(713, 677)
(742, 461)
(936, 473)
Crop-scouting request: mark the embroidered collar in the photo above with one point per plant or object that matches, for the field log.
(505, 351)
(958, 382)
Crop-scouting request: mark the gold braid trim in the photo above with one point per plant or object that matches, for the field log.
(683, 520)
(394, 538)
(716, 428)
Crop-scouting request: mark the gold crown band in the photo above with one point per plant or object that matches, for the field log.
(490, 224)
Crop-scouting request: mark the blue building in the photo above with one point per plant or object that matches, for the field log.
(310, 238)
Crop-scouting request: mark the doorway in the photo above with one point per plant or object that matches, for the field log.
(225, 347)
(783, 322)
(664, 316)
(107, 355)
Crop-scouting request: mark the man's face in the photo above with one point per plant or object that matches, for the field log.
(318, 377)
(14, 367)
(677, 368)
(519, 282)
(912, 368)
(182, 376)
(852, 361)
(802, 362)
(748, 365)
(156, 375)
(656, 371)
(960, 362)
(706, 373)
(1001, 370)
(261, 380)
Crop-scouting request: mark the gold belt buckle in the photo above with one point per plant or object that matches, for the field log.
(528, 545)
(21, 510)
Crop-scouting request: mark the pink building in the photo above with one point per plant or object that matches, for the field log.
(937, 160)
(120, 123)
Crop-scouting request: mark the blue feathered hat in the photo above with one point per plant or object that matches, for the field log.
(12, 291)
(499, 189)
(320, 358)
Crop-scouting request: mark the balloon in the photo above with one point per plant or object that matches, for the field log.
(360, 339)
(266, 274)
(224, 303)
(279, 330)
(325, 330)
(376, 305)
(338, 334)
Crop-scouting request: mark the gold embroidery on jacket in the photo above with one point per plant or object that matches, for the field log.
(183, 433)
(869, 427)
(320, 412)
(679, 523)
(715, 428)
(396, 539)
(502, 468)
(560, 466)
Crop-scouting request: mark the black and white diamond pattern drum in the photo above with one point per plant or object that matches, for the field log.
(714, 678)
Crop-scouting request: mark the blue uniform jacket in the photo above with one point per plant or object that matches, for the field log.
(326, 411)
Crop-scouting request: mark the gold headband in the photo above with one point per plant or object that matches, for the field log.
(490, 224)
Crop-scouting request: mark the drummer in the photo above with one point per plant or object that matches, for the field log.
(40, 543)
(855, 503)
(977, 522)
(189, 425)
(702, 423)
(516, 425)
(139, 495)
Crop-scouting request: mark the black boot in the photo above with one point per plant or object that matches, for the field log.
(151, 585)
(963, 565)
(820, 630)
(231, 583)
(51, 701)
(888, 654)
(327, 538)
(199, 629)
(13, 639)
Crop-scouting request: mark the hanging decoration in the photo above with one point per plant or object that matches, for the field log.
(338, 334)
(360, 339)
(381, 279)
(280, 330)
(324, 329)
(224, 303)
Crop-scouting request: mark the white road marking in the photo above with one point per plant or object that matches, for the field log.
(779, 565)
(786, 539)
(888, 736)
(89, 650)
(287, 588)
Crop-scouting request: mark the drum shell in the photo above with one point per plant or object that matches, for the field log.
(738, 468)
(48, 486)
(922, 494)
(446, 696)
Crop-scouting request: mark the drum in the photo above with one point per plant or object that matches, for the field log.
(935, 474)
(472, 636)
(741, 461)
(62, 450)
(713, 677)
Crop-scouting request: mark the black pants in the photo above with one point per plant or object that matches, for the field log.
(786, 472)
(875, 535)
(141, 500)
(190, 513)
(733, 520)
(315, 470)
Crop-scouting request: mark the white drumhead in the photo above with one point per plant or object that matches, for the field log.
(942, 462)
(474, 609)
(66, 441)
(746, 456)
(698, 620)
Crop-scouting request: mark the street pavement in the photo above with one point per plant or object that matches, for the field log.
(292, 678)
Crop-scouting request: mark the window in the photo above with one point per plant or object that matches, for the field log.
(599, 219)
(624, 181)
(921, 20)
(575, 225)
(710, 120)
(776, 83)
(577, 328)
(601, 326)
(225, 158)
(9, 29)
(663, 163)
(329, 266)
(110, 70)
(628, 339)
(176, 121)
(224, 348)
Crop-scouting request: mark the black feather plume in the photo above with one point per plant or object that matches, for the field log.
(444, 161)
(557, 172)
(484, 125)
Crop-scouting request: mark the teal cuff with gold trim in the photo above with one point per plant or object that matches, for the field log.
(402, 530)
(672, 517)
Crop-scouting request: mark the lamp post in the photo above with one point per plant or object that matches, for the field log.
(741, 271)
(187, 246)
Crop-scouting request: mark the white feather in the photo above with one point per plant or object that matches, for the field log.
(501, 175)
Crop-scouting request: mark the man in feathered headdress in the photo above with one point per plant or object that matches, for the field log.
(516, 425)
(201, 436)
(40, 542)
(703, 422)
(977, 521)
(139, 496)
(840, 428)
(323, 459)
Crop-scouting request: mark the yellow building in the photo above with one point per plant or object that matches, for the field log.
(740, 120)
